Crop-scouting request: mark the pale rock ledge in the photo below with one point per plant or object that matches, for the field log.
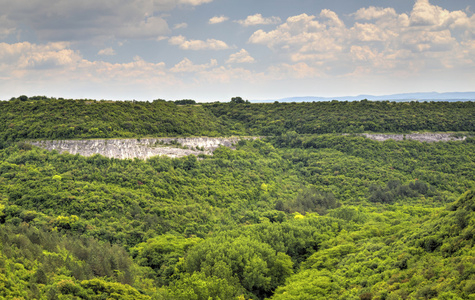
(142, 148)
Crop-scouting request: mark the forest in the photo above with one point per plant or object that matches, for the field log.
(309, 210)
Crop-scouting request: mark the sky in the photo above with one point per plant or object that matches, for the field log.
(212, 50)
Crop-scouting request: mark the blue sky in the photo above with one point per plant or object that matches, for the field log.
(212, 50)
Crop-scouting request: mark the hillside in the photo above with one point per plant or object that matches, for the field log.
(66, 119)
(290, 216)
(49, 118)
(348, 117)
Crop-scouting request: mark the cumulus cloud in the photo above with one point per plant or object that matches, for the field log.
(368, 32)
(180, 26)
(240, 57)
(55, 20)
(379, 40)
(258, 19)
(106, 51)
(218, 19)
(32, 68)
(194, 2)
(373, 41)
(299, 71)
(429, 41)
(26, 55)
(187, 66)
(303, 35)
(209, 44)
(57, 62)
(426, 14)
(372, 13)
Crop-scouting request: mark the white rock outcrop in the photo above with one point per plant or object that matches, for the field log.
(138, 148)
(421, 137)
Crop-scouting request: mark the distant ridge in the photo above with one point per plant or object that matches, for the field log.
(432, 96)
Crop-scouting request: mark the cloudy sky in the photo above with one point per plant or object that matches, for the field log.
(212, 50)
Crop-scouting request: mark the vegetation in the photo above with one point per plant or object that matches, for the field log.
(40, 117)
(349, 117)
(288, 216)
(46, 118)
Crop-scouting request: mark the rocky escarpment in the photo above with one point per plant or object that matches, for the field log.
(139, 148)
(421, 137)
(179, 147)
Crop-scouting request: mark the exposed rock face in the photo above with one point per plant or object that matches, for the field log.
(139, 148)
(421, 137)
(178, 147)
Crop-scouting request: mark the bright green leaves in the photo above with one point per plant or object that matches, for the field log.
(198, 286)
(307, 285)
(255, 265)
(254, 274)
(162, 254)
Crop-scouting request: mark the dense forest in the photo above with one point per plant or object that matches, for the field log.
(304, 212)
(51, 118)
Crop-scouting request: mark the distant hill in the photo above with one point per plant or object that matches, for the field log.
(433, 96)
(28, 118)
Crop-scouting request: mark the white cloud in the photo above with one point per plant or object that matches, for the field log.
(187, 66)
(294, 71)
(333, 19)
(53, 68)
(56, 20)
(194, 2)
(241, 57)
(376, 43)
(368, 32)
(426, 14)
(429, 41)
(372, 13)
(221, 75)
(25, 56)
(107, 51)
(303, 36)
(138, 69)
(257, 19)
(218, 19)
(180, 26)
(380, 41)
(209, 44)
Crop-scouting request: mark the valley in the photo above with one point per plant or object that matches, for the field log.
(278, 201)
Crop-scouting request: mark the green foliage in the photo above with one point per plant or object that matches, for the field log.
(347, 117)
(43, 118)
(381, 260)
(255, 265)
(394, 190)
(39, 262)
(162, 254)
(311, 200)
(198, 286)
(291, 216)
(40, 117)
(185, 102)
(238, 100)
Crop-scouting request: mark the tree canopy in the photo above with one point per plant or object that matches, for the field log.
(307, 211)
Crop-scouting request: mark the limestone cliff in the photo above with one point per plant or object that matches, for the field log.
(139, 148)
(421, 137)
(178, 147)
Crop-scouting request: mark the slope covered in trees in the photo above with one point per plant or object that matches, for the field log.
(66, 119)
(289, 216)
(349, 117)
(50, 118)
